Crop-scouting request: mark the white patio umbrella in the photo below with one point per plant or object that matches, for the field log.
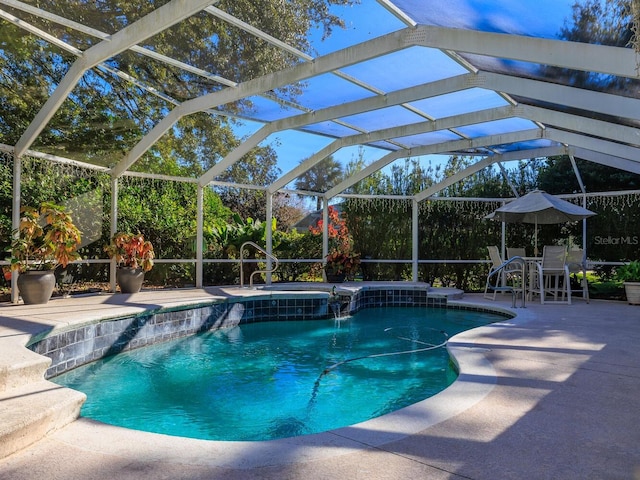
(539, 207)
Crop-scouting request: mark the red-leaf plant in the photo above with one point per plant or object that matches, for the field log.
(341, 258)
(45, 238)
(131, 250)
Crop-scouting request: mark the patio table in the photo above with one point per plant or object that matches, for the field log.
(531, 273)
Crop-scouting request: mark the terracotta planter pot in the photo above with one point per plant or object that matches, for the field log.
(36, 286)
(130, 279)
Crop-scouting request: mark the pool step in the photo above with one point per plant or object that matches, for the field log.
(30, 412)
(30, 406)
(446, 292)
(20, 366)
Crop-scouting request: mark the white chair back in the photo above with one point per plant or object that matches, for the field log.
(575, 260)
(516, 252)
(553, 257)
(577, 263)
(494, 255)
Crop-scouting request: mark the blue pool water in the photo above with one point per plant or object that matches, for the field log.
(277, 379)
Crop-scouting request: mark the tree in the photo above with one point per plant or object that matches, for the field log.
(321, 177)
(287, 210)
(604, 23)
(369, 184)
(256, 168)
(105, 116)
(381, 229)
(557, 176)
(608, 22)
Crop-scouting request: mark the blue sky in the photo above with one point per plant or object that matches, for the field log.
(363, 22)
(368, 20)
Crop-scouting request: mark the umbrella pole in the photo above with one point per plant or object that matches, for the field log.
(503, 244)
(535, 237)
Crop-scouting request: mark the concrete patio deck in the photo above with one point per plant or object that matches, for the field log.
(550, 394)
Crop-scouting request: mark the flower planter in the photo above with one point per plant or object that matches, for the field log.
(632, 290)
(130, 279)
(134, 256)
(36, 286)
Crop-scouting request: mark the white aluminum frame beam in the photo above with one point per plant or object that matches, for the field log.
(584, 99)
(587, 57)
(581, 98)
(486, 162)
(184, 66)
(605, 159)
(594, 144)
(398, 13)
(358, 53)
(505, 177)
(419, 92)
(438, 148)
(456, 177)
(151, 24)
(611, 60)
(587, 100)
(103, 66)
(105, 36)
(395, 132)
(585, 125)
(40, 33)
(595, 127)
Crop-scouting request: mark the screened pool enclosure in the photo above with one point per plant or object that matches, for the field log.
(118, 89)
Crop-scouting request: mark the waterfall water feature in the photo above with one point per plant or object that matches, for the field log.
(335, 308)
(335, 303)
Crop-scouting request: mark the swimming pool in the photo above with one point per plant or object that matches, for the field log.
(277, 379)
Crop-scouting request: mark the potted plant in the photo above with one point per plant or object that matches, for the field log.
(341, 265)
(630, 275)
(341, 262)
(133, 256)
(45, 238)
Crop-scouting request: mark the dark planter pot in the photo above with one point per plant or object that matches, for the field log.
(335, 277)
(130, 279)
(36, 286)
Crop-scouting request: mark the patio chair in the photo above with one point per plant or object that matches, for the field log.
(553, 275)
(510, 279)
(578, 264)
(516, 252)
(531, 273)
